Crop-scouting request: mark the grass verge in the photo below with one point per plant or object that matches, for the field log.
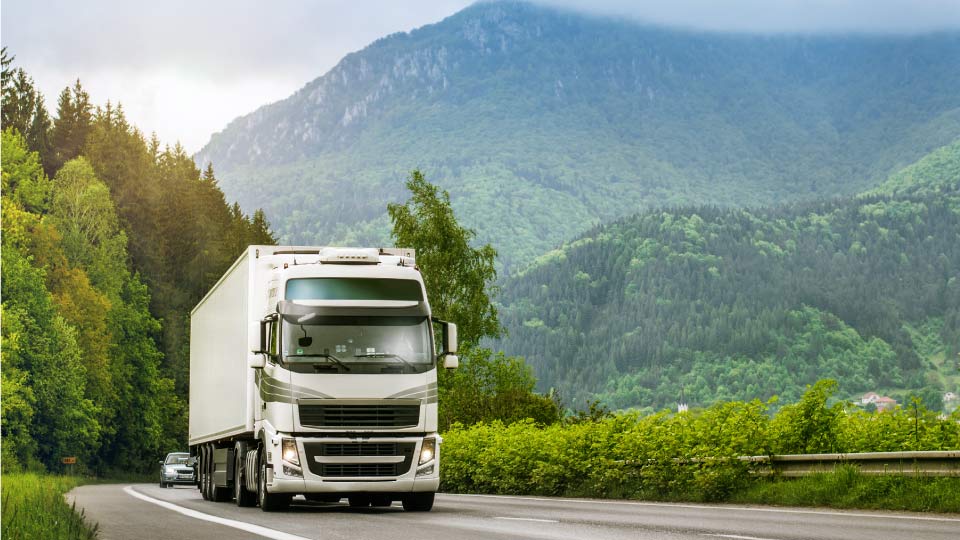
(34, 508)
(848, 488)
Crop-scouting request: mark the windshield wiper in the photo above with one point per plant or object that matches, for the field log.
(386, 355)
(321, 355)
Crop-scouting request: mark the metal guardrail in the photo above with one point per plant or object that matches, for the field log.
(928, 463)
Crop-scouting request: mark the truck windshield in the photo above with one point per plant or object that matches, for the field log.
(357, 344)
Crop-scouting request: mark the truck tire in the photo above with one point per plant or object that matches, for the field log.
(240, 494)
(204, 474)
(269, 502)
(418, 502)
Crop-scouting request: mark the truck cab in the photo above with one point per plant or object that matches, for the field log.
(341, 380)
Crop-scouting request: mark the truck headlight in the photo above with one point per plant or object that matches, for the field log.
(291, 458)
(290, 453)
(428, 450)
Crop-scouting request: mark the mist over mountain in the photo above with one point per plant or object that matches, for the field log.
(543, 122)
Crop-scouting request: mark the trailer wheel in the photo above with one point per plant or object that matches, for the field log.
(204, 474)
(240, 494)
(418, 502)
(269, 502)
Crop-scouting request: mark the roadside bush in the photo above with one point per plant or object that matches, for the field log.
(678, 456)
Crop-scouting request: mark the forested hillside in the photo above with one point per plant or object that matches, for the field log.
(108, 241)
(737, 304)
(543, 123)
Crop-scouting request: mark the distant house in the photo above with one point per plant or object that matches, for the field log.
(882, 403)
(885, 404)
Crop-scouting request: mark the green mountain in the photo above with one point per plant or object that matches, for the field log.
(742, 304)
(542, 123)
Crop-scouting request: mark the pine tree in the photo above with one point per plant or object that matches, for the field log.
(38, 136)
(74, 118)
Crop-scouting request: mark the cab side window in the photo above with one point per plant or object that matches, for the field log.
(274, 340)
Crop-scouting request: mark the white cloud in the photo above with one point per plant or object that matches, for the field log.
(185, 69)
(775, 16)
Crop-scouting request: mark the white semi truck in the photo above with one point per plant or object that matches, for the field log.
(313, 371)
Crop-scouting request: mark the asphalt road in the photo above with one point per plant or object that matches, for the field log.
(147, 512)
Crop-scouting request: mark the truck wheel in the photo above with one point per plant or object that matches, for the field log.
(240, 494)
(209, 469)
(204, 475)
(269, 502)
(418, 502)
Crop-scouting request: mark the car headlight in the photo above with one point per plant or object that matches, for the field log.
(428, 450)
(169, 470)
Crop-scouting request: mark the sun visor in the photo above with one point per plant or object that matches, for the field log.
(301, 313)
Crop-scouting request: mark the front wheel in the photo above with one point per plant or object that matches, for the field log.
(269, 502)
(240, 493)
(418, 502)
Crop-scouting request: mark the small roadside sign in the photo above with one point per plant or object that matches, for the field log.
(71, 460)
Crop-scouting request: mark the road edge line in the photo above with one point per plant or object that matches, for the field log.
(242, 525)
(773, 509)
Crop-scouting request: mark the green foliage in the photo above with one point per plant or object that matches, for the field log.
(688, 456)
(810, 426)
(458, 277)
(82, 371)
(937, 172)
(34, 509)
(847, 488)
(459, 280)
(735, 304)
(488, 387)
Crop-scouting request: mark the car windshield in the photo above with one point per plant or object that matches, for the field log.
(357, 344)
(176, 459)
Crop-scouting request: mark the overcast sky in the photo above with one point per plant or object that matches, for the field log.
(184, 69)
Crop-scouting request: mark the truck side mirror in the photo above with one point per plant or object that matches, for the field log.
(448, 349)
(264, 325)
(264, 345)
(449, 338)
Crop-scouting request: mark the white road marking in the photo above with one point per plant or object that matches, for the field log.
(707, 507)
(529, 519)
(255, 529)
(737, 536)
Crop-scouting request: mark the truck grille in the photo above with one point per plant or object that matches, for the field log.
(361, 449)
(363, 416)
(348, 450)
(360, 469)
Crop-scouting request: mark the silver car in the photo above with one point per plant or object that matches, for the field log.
(175, 469)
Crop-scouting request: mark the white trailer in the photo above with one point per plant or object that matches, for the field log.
(313, 371)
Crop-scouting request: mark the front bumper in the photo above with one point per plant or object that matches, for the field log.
(311, 482)
(179, 479)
